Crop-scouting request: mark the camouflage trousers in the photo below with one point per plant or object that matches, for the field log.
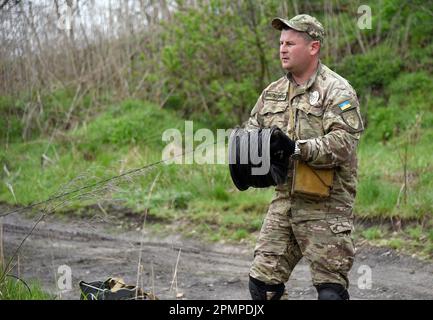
(323, 237)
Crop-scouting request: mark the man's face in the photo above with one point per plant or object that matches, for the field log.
(295, 51)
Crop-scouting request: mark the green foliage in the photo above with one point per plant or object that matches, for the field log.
(412, 93)
(410, 97)
(219, 69)
(10, 120)
(421, 59)
(372, 71)
(406, 21)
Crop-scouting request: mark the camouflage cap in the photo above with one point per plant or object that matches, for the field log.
(302, 23)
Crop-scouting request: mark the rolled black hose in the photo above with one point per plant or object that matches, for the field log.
(245, 173)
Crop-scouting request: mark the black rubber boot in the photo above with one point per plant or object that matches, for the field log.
(332, 291)
(259, 290)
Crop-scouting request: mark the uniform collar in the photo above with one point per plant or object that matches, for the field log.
(310, 81)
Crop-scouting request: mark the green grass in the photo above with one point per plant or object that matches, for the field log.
(395, 243)
(415, 233)
(372, 233)
(14, 289)
(381, 179)
(413, 238)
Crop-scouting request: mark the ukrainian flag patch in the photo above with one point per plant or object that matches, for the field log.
(345, 105)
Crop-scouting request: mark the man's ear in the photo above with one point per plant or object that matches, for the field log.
(314, 47)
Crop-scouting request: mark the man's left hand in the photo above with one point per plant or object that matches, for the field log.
(282, 147)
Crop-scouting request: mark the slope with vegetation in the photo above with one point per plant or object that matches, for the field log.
(67, 125)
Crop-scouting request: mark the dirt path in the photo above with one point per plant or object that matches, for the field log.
(95, 250)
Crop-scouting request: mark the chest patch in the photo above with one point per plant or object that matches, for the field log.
(314, 97)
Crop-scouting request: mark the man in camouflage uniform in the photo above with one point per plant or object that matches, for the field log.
(319, 111)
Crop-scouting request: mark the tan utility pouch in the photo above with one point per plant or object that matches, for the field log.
(312, 182)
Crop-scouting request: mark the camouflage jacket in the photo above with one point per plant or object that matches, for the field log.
(324, 116)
